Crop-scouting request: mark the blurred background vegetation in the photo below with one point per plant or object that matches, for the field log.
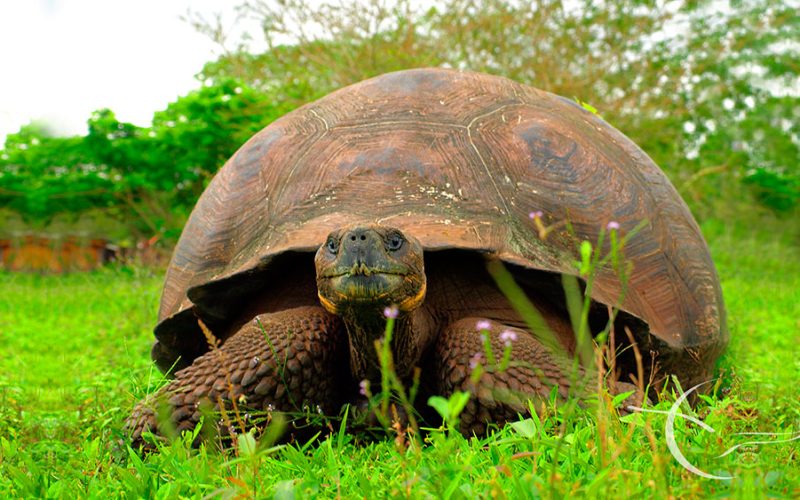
(709, 91)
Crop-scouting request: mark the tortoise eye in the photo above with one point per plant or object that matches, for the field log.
(394, 242)
(332, 245)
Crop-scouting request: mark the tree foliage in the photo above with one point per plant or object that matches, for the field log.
(42, 175)
(147, 178)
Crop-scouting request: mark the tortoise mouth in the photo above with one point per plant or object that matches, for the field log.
(362, 270)
(348, 292)
(364, 287)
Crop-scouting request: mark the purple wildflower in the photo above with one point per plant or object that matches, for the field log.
(391, 312)
(536, 215)
(475, 360)
(363, 387)
(508, 337)
(483, 324)
(612, 225)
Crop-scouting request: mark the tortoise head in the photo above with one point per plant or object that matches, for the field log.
(370, 266)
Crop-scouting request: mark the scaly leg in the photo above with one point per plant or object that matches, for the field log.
(283, 361)
(498, 395)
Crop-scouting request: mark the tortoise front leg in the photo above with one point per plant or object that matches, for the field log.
(500, 394)
(283, 361)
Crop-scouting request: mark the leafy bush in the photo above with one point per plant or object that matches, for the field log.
(146, 178)
(777, 191)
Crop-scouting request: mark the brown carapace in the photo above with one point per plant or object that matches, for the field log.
(456, 162)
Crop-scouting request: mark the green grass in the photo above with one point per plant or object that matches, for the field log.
(75, 359)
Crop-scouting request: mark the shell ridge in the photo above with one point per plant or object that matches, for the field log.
(506, 210)
(286, 181)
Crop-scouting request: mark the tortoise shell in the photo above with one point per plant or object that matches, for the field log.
(459, 160)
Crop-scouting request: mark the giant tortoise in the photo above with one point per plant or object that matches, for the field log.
(396, 191)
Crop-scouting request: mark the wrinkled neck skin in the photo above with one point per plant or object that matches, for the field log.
(411, 335)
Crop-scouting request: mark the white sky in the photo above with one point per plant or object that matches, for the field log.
(62, 59)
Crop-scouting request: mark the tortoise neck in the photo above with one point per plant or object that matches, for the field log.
(409, 338)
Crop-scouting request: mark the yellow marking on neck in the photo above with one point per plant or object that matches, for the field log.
(412, 302)
(327, 304)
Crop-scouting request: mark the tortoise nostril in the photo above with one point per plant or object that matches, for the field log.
(360, 237)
